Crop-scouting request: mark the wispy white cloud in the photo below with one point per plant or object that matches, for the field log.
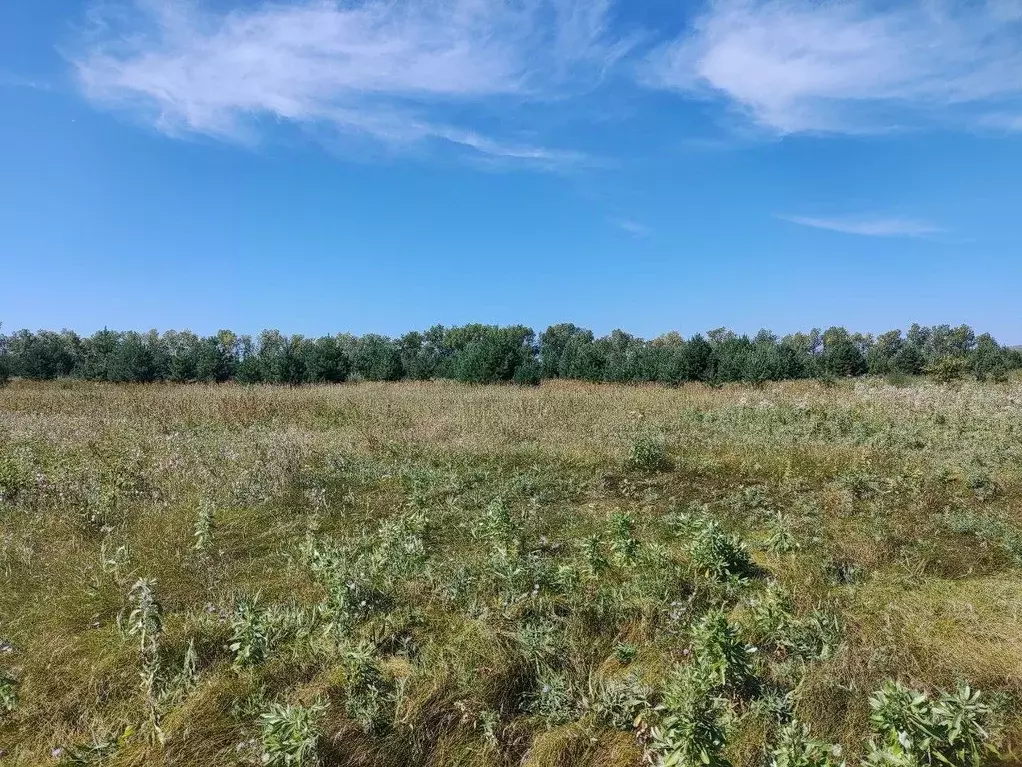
(1011, 122)
(631, 227)
(848, 66)
(868, 226)
(12, 80)
(392, 70)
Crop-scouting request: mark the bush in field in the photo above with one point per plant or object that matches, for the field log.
(369, 694)
(690, 732)
(8, 694)
(5, 361)
(289, 735)
(795, 748)
(915, 729)
(947, 370)
(718, 555)
(250, 639)
(722, 660)
(648, 453)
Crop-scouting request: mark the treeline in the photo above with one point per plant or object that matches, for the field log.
(490, 354)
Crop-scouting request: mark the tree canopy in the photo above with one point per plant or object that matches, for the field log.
(479, 353)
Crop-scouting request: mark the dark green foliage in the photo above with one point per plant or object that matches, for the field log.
(491, 354)
(553, 342)
(134, 359)
(947, 369)
(377, 358)
(325, 361)
(5, 362)
(842, 353)
(909, 360)
(916, 729)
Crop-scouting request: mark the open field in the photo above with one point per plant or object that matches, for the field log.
(438, 574)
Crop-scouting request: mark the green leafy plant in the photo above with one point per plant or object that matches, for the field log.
(250, 638)
(689, 732)
(593, 554)
(146, 622)
(203, 527)
(540, 641)
(553, 700)
(720, 657)
(619, 703)
(623, 545)
(289, 734)
(780, 539)
(915, 729)
(369, 693)
(96, 752)
(718, 555)
(8, 694)
(648, 453)
(625, 652)
(795, 748)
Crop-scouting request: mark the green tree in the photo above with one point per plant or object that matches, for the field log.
(880, 357)
(377, 358)
(496, 354)
(552, 344)
(5, 360)
(842, 354)
(325, 361)
(909, 360)
(134, 360)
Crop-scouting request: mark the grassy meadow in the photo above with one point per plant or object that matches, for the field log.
(438, 574)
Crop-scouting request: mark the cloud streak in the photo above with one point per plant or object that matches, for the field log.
(851, 66)
(392, 70)
(632, 228)
(878, 226)
(482, 74)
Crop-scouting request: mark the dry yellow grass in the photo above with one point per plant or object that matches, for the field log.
(901, 505)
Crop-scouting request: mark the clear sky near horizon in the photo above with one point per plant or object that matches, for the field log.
(322, 166)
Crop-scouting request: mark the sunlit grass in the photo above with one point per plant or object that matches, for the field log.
(428, 573)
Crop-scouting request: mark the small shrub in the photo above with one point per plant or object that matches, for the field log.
(648, 453)
(369, 694)
(689, 732)
(718, 555)
(947, 370)
(203, 527)
(780, 540)
(8, 694)
(98, 751)
(795, 748)
(981, 484)
(775, 627)
(553, 699)
(897, 378)
(250, 639)
(620, 702)
(289, 735)
(916, 730)
(721, 659)
(540, 641)
(592, 551)
(625, 652)
(622, 545)
(498, 526)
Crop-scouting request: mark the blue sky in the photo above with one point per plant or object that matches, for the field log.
(321, 166)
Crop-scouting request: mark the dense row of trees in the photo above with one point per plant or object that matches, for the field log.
(487, 353)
